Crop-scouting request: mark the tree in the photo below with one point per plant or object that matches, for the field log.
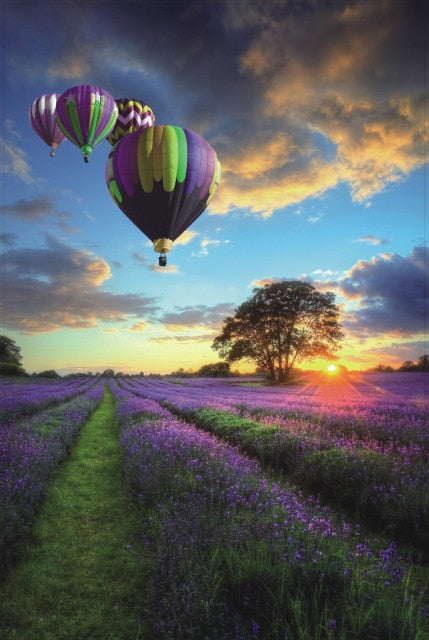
(423, 363)
(10, 358)
(215, 370)
(408, 365)
(49, 373)
(281, 324)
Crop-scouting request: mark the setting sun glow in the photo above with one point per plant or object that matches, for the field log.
(332, 368)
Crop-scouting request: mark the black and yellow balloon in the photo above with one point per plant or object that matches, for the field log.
(162, 178)
(133, 114)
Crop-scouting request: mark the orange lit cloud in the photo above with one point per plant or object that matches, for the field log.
(58, 286)
(329, 95)
(72, 65)
(139, 327)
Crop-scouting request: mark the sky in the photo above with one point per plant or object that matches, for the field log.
(316, 110)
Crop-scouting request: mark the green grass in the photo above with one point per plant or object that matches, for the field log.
(77, 580)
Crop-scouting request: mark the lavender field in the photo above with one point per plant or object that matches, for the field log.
(297, 512)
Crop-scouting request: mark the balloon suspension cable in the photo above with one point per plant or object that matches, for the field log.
(162, 260)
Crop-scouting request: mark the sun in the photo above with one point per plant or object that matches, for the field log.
(332, 368)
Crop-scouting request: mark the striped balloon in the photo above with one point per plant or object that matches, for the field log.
(42, 119)
(162, 178)
(132, 115)
(86, 114)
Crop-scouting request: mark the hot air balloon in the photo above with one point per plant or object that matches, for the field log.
(162, 178)
(86, 114)
(42, 119)
(132, 115)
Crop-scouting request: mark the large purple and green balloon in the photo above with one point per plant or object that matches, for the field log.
(162, 178)
(133, 114)
(42, 119)
(86, 114)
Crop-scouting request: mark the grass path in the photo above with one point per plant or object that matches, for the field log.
(77, 580)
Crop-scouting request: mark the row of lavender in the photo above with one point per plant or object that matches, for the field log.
(32, 446)
(376, 447)
(378, 411)
(21, 397)
(235, 556)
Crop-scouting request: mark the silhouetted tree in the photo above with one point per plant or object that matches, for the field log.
(49, 373)
(408, 365)
(384, 368)
(215, 370)
(423, 364)
(281, 324)
(10, 358)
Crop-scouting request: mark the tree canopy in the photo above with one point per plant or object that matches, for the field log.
(10, 358)
(421, 365)
(280, 324)
(215, 370)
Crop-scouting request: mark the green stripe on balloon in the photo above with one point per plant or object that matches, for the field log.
(182, 154)
(95, 117)
(170, 158)
(72, 114)
(107, 128)
(114, 190)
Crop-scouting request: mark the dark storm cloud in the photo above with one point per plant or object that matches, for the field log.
(296, 96)
(34, 209)
(391, 293)
(58, 286)
(37, 209)
(8, 239)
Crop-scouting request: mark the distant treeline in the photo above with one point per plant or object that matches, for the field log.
(10, 365)
(422, 364)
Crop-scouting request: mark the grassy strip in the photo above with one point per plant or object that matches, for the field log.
(77, 578)
(31, 452)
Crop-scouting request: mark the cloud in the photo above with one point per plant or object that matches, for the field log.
(170, 268)
(350, 97)
(30, 209)
(188, 339)
(37, 209)
(58, 286)
(8, 239)
(13, 162)
(140, 258)
(262, 282)
(186, 237)
(69, 66)
(372, 240)
(197, 317)
(206, 243)
(139, 327)
(296, 97)
(387, 295)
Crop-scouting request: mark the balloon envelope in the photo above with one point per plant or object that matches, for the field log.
(42, 119)
(86, 114)
(132, 115)
(162, 178)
